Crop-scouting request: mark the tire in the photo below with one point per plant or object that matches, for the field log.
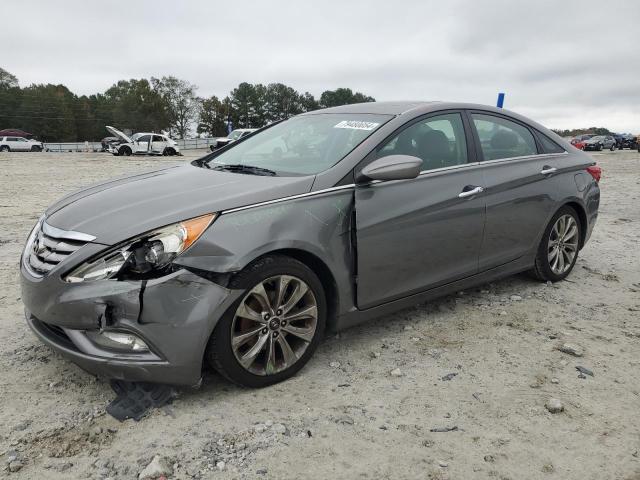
(599, 148)
(5, 148)
(169, 152)
(125, 151)
(544, 263)
(265, 333)
(613, 147)
(36, 148)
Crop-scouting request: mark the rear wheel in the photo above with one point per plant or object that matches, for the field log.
(5, 148)
(558, 250)
(275, 326)
(613, 147)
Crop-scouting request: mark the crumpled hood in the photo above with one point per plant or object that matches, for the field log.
(120, 209)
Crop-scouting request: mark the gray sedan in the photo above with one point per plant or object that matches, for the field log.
(243, 258)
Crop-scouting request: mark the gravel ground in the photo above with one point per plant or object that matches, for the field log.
(484, 363)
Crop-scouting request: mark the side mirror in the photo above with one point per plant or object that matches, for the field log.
(393, 167)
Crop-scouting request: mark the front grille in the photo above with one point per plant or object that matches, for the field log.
(51, 246)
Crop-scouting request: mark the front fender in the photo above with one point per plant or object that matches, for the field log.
(318, 224)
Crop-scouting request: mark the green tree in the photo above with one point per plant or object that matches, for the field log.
(342, 96)
(181, 102)
(213, 116)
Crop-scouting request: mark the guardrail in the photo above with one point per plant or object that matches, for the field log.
(185, 144)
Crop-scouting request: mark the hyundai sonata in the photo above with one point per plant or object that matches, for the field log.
(243, 258)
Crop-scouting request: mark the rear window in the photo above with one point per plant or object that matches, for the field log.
(548, 145)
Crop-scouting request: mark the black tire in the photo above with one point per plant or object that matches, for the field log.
(169, 152)
(125, 151)
(219, 353)
(613, 147)
(36, 148)
(5, 148)
(542, 269)
(599, 148)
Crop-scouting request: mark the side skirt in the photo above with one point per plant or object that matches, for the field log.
(355, 316)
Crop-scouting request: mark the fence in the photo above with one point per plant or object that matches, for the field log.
(186, 144)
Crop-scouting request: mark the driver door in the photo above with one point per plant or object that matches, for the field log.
(142, 144)
(417, 234)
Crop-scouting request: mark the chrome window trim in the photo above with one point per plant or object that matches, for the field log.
(524, 157)
(374, 182)
(65, 234)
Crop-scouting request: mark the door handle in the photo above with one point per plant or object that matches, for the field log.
(548, 170)
(470, 193)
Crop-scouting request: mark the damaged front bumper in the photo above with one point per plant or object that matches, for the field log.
(173, 315)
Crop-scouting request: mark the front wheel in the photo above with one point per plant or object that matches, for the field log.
(558, 250)
(613, 147)
(36, 148)
(272, 330)
(5, 148)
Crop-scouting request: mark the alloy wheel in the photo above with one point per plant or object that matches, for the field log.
(274, 325)
(563, 244)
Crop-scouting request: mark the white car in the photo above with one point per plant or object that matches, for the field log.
(236, 134)
(142, 144)
(19, 144)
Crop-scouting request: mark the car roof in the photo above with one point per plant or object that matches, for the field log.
(388, 108)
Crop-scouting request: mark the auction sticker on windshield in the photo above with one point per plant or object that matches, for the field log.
(356, 125)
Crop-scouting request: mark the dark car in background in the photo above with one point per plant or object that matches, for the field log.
(625, 140)
(243, 258)
(600, 142)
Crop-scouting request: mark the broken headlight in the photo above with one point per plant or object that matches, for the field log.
(144, 255)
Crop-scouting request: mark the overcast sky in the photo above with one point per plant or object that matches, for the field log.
(564, 63)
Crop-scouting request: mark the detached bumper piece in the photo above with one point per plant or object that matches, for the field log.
(135, 399)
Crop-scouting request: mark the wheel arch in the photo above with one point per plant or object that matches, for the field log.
(582, 217)
(321, 269)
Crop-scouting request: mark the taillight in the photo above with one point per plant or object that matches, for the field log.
(595, 171)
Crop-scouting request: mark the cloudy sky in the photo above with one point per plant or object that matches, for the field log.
(564, 63)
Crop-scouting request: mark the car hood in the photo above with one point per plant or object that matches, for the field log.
(120, 209)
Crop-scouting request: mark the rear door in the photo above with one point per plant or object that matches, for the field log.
(518, 179)
(413, 235)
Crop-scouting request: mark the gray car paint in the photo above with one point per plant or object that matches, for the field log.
(349, 233)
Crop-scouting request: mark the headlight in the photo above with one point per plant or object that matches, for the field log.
(144, 255)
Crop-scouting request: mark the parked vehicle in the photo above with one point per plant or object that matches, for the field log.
(580, 140)
(599, 142)
(20, 144)
(625, 140)
(236, 134)
(243, 258)
(142, 144)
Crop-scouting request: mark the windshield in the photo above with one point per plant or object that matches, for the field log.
(235, 135)
(303, 145)
(599, 137)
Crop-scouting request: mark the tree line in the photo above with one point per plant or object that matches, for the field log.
(55, 114)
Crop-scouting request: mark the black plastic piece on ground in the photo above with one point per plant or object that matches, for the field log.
(135, 399)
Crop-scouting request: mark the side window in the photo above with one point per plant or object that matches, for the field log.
(439, 141)
(144, 138)
(500, 138)
(549, 145)
(158, 138)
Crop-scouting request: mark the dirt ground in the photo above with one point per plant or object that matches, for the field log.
(346, 415)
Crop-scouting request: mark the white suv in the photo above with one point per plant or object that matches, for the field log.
(142, 144)
(19, 144)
